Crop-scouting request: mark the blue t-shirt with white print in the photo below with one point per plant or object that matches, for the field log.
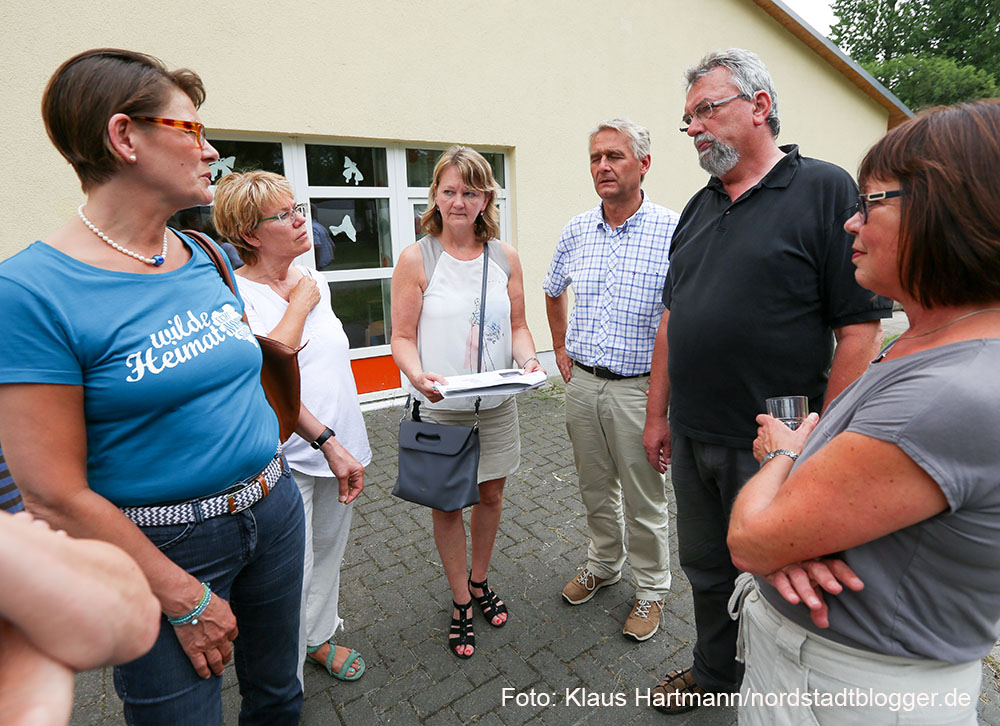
(171, 375)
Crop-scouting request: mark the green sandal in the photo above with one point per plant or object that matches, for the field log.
(340, 675)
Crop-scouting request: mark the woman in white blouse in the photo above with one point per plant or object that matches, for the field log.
(256, 211)
(435, 333)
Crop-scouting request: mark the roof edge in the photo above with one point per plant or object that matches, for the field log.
(828, 51)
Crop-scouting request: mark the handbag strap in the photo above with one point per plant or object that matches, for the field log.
(482, 319)
(215, 255)
(482, 306)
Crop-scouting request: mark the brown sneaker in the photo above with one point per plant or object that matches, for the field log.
(677, 693)
(585, 585)
(644, 620)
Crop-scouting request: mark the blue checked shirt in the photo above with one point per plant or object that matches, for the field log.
(617, 278)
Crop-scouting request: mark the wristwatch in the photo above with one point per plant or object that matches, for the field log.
(321, 439)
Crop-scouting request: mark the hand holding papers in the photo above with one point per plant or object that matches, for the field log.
(507, 380)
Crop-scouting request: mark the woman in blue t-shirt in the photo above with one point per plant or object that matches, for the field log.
(130, 401)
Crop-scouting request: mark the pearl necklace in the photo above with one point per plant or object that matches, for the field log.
(155, 260)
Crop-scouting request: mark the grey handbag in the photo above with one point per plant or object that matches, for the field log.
(439, 464)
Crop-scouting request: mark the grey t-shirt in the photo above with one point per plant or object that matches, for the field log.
(932, 590)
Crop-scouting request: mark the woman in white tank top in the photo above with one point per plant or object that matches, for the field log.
(435, 333)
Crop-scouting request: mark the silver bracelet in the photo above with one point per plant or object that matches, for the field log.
(779, 452)
(532, 358)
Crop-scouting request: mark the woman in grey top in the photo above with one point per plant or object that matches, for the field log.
(894, 494)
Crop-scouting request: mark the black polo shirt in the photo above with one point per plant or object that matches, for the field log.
(755, 289)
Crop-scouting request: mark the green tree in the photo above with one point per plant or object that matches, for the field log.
(933, 80)
(925, 51)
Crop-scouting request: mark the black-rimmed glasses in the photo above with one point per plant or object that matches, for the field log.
(865, 200)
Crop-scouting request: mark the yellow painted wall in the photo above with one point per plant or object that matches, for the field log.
(530, 76)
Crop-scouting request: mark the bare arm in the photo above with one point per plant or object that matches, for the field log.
(522, 344)
(656, 434)
(348, 470)
(556, 310)
(853, 490)
(857, 345)
(35, 689)
(84, 603)
(408, 284)
(303, 298)
(55, 489)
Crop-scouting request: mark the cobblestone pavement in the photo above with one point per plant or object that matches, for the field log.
(395, 601)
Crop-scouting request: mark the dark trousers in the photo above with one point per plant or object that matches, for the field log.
(253, 559)
(706, 479)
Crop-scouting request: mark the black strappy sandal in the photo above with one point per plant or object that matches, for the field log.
(461, 630)
(489, 603)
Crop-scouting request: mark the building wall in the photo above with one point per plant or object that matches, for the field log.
(528, 77)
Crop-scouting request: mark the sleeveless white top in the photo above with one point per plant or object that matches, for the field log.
(448, 329)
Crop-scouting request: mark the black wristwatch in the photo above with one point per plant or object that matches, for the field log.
(321, 439)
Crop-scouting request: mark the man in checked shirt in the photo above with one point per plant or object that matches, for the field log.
(615, 257)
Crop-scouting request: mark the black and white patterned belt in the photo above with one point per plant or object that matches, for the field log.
(249, 492)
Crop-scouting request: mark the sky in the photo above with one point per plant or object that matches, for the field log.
(815, 12)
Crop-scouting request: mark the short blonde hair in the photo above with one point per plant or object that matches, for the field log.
(240, 200)
(476, 174)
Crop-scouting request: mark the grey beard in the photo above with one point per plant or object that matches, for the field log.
(719, 159)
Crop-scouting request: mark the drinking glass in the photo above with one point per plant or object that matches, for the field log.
(790, 410)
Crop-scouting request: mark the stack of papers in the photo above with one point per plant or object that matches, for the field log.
(507, 380)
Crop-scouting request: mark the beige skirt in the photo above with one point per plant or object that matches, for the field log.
(499, 436)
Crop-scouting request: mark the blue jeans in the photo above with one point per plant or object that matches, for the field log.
(253, 559)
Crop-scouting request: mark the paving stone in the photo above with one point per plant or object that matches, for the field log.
(358, 713)
(481, 700)
(396, 602)
(320, 709)
(441, 694)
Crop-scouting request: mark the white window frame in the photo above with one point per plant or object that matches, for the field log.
(402, 200)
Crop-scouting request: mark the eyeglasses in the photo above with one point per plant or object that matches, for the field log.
(865, 200)
(703, 111)
(287, 215)
(191, 127)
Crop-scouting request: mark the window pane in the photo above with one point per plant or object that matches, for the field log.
(200, 220)
(418, 211)
(346, 166)
(420, 166)
(363, 308)
(349, 234)
(241, 156)
(496, 163)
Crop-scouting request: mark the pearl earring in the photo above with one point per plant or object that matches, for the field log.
(131, 157)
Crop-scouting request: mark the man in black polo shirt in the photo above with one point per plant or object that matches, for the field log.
(760, 284)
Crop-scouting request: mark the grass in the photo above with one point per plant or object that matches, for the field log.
(550, 390)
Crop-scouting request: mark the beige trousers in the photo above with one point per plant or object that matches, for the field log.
(621, 491)
(797, 678)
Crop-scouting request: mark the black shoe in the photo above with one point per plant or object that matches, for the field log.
(461, 630)
(489, 603)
